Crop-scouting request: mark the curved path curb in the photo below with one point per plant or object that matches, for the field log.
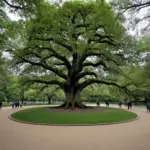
(46, 124)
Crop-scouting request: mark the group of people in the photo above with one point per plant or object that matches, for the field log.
(128, 104)
(106, 102)
(16, 104)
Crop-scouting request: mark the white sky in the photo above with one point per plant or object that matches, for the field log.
(13, 16)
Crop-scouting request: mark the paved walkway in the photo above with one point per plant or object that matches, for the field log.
(128, 136)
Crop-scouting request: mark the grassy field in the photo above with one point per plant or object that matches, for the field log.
(40, 115)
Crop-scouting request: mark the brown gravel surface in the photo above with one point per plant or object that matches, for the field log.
(127, 136)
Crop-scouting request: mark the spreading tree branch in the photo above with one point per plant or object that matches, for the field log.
(54, 54)
(45, 66)
(83, 74)
(95, 64)
(55, 82)
(138, 5)
(109, 58)
(13, 6)
(92, 81)
(46, 86)
(134, 6)
(104, 37)
(64, 45)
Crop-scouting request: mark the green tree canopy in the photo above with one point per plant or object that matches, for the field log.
(73, 45)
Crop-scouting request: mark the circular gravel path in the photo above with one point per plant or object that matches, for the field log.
(127, 136)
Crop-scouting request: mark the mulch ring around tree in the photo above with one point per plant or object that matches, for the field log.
(78, 110)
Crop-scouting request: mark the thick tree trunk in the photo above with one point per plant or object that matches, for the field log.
(74, 105)
(72, 101)
(49, 101)
(22, 101)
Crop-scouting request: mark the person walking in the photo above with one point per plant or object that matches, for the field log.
(98, 103)
(13, 105)
(1, 104)
(107, 103)
(148, 106)
(20, 105)
(16, 104)
(128, 104)
(120, 104)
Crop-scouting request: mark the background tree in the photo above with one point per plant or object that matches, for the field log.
(8, 33)
(5, 34)
(51, 93)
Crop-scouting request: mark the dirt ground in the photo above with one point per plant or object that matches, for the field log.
(127, 136)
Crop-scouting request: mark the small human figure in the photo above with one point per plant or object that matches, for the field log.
(16, 105)
(20, 105)
(13, 105)
(107, 103)
(1, 104)
(98, 103)
(120, 104)
(148, 106)
(129, 104)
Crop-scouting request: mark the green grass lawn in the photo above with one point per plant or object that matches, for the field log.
(40, 115)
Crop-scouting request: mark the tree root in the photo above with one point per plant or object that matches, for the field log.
(70, 105)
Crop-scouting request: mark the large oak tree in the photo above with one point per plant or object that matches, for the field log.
(73, 46)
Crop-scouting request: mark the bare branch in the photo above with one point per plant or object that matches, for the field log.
(146, 17)
(139, 6)
(13, 6)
